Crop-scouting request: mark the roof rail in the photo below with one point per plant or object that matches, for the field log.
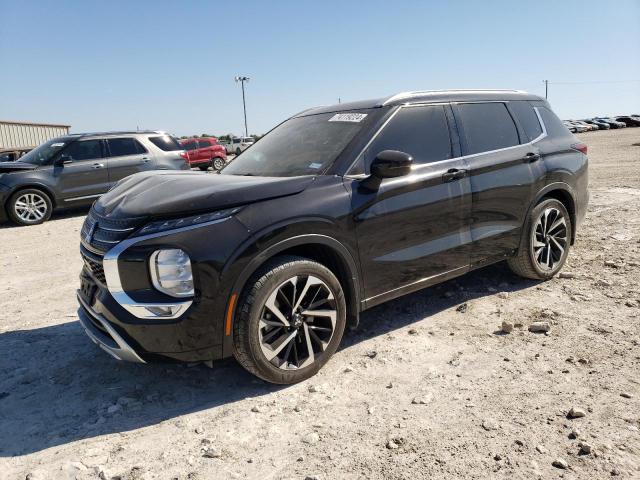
(420, 93)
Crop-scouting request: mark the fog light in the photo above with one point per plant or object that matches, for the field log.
(171, 272)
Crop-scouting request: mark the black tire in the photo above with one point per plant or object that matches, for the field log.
(205, 166)
(272, 277)
(525, 263)
(218, 163)
(238, 151)
(41, 202)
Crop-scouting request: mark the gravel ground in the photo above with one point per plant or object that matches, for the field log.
(427, 387)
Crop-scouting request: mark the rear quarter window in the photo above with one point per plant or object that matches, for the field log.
(166, 143)
(553, 124)
(487, 126)
(527, 119)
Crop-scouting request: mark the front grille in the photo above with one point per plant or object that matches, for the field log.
(95, 267)
(99, 234)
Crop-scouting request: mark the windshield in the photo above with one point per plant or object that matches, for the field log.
(44, 153)
(299, 146)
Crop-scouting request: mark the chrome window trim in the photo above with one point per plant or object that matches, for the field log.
(464, 157)
(114, 284)
(86, 197)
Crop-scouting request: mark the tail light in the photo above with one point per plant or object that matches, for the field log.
(184, 155)
(580, 147)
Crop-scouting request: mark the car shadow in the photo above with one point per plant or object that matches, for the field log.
(56, 387)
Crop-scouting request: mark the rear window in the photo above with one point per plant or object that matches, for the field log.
(527, 118)
(487, 126)
(166, 143)
(552, 123)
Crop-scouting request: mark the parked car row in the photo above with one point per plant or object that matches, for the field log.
(602, 123)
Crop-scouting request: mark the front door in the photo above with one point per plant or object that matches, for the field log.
(84, 176)
(126, 157)
(413, 231)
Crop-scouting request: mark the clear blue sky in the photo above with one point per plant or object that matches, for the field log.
(101, 65)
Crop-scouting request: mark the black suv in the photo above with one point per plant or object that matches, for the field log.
(336, 210)
(73, 170)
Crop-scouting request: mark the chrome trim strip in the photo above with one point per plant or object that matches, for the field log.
(114, 285)
(73, 199)
(122, 352)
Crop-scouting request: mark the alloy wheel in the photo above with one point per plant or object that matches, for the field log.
(297, 322)
(218, 163)
(30, 207)
(549, 240)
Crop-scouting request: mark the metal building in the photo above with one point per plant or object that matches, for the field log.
(22, 136)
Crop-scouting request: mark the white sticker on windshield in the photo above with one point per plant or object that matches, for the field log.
(57, 144)
(315, 166)
(348, 117)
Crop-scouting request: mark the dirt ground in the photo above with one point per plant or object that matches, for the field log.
(427, 387)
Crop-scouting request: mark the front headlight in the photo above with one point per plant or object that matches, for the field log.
(162, 225)
(171, 272)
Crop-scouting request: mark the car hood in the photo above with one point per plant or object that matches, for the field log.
(172, 193)
(7, 167)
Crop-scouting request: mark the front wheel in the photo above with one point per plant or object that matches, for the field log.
(29, 207)
(290, 320)
(545, 241)
(218, 163)
(238, 151)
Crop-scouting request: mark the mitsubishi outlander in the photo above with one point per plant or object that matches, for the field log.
(337, 209)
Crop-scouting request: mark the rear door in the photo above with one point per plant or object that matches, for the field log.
(204, 150)
(85, 176)
(126, 156)
(413, 230)
(504, 166)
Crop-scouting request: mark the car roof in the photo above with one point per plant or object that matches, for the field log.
(425, 96)
(116, 133)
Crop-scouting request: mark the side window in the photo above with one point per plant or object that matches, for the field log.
(236, 140)
(84, 150)
(487, 126)
(204, 143)
(190, 146)
(422, 132)
(527, 118)
(119, 147)
(553, 124)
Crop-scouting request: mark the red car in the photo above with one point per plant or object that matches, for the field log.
(205, 152)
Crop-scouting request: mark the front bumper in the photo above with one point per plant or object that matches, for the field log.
(104, 335)
(118, 301)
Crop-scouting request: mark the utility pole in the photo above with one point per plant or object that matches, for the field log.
(243, 79)
(546, 89)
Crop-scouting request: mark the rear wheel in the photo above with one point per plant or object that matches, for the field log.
(238, 151)
(290, 320)
(218, 163)
(545, 242)
(29, 207)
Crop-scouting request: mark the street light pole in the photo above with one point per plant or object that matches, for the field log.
(243, 79)
(546, 89)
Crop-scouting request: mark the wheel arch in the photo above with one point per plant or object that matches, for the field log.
(565, 195)
(320, 248)
(27, 186)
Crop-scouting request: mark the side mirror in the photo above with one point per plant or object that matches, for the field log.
(64, 160)
(391, 164)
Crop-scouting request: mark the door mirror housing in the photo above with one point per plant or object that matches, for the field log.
(64, 160)
(391, 164)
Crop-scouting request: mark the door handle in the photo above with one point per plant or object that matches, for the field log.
(453, 174)
(145, 160)
(531, 157)
(97, 165)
